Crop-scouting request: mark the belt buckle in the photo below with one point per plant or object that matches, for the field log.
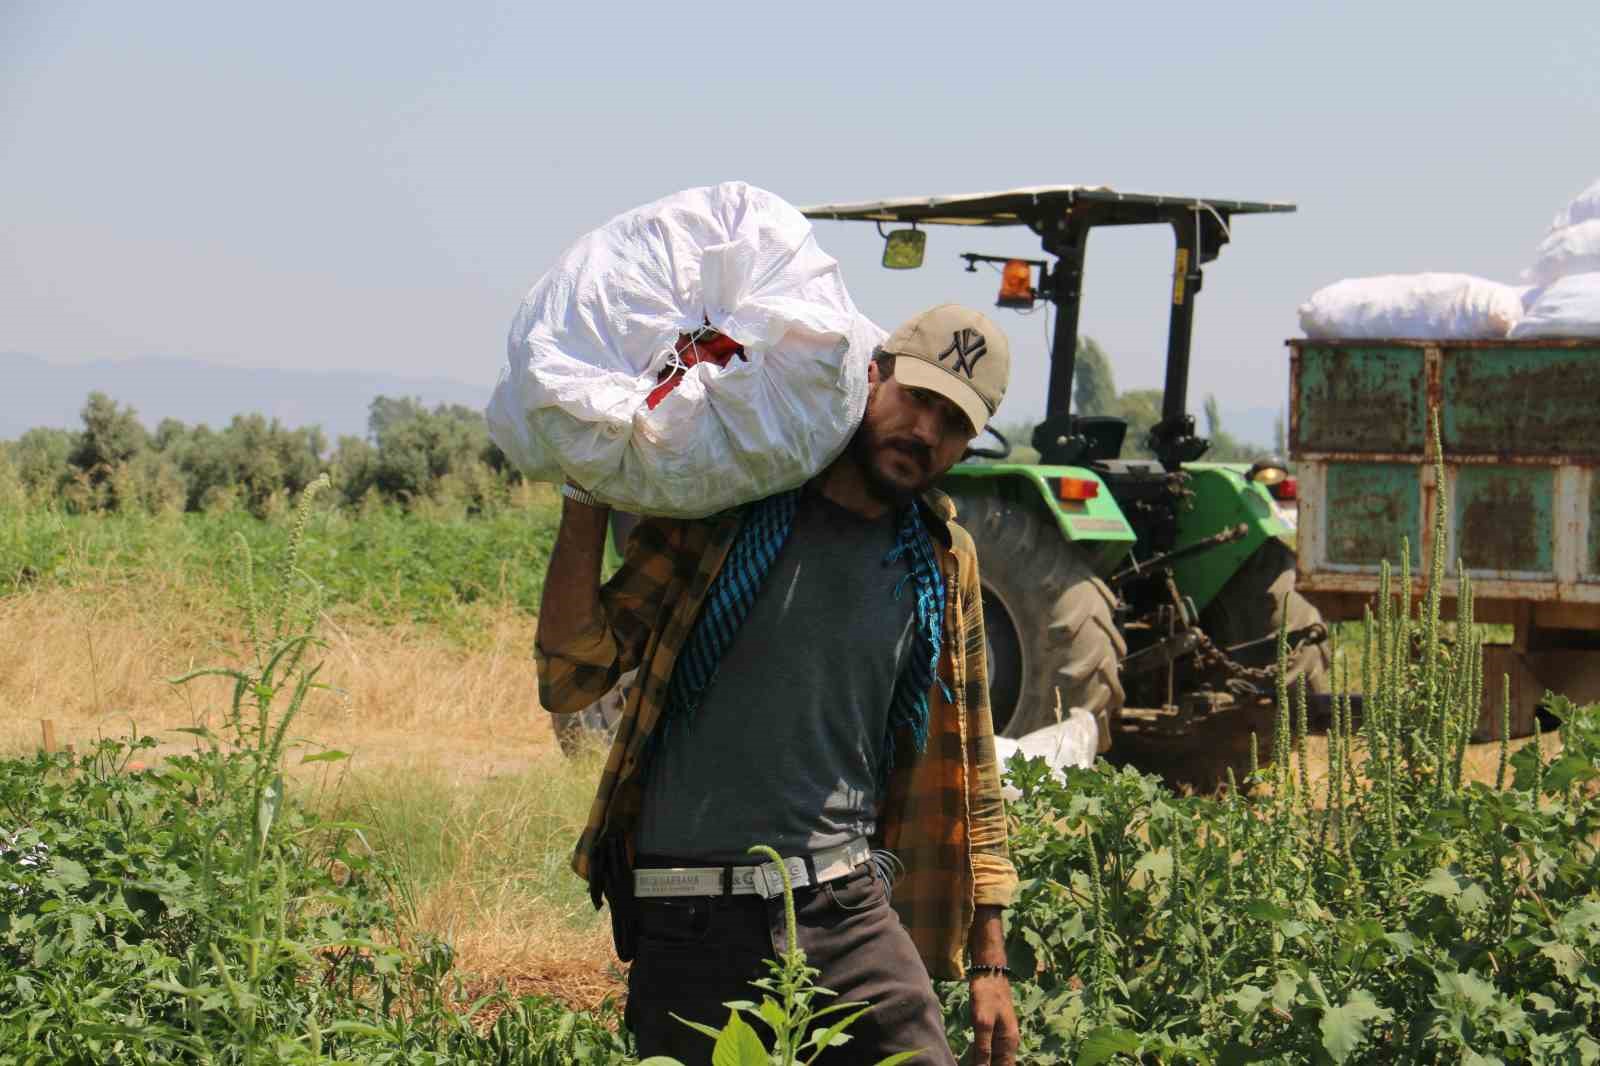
(767, 878)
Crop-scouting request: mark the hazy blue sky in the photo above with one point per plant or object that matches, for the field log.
(376, 185)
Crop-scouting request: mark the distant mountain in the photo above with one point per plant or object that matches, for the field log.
(37, 392)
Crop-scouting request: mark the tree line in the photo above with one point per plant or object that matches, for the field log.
(410, 454)
(1094, 392)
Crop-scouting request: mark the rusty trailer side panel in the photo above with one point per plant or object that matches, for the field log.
(1522, 470)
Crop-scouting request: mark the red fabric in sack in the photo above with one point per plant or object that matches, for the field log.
(707, 346)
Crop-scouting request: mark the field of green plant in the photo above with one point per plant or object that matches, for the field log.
(225, 904)
(383, 564)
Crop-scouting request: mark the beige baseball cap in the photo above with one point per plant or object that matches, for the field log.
(956, 352)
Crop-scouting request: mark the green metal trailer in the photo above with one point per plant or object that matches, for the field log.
(1521, 443)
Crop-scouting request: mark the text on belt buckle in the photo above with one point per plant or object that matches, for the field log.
(767, 879)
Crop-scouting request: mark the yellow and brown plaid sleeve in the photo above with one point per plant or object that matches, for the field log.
(994, 876)
(574, 675)
(944, 815)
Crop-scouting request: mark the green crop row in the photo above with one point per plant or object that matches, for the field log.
(383, 563)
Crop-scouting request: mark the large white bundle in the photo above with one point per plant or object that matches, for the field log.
(1573, 249)
(1584, 206)
(1420, 306)
(597, 334)
(1569, 307)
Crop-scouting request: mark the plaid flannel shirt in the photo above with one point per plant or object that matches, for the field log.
(942, 812)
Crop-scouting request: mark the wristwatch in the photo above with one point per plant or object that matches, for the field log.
(580, 495)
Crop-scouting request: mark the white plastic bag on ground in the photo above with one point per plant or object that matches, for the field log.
(1571, 249)
(1420, 306)
(1073, 741)
(1584, 206)
(597, 335)
(1566, 308)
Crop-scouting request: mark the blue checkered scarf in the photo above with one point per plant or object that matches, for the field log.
(766, 529)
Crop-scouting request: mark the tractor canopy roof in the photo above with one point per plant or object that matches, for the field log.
(1032, 205)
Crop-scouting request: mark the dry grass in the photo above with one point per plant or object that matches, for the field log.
(95, 660)
(452, 762)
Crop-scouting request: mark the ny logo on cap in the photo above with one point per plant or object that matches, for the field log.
(968, 346)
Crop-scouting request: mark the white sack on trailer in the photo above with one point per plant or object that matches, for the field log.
(1419, 306)
(1584, 207)
(1573, 249)
(597, 335)
(1566, 308)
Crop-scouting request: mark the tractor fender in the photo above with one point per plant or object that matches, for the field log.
(1095, 524)
(1223, 497)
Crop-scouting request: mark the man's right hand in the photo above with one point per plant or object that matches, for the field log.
(571, 599)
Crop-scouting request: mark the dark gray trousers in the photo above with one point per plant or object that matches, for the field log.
(696, 953)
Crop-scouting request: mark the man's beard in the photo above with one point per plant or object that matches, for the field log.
(867, 446)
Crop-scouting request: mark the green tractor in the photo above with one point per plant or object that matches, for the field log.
(1148, 592)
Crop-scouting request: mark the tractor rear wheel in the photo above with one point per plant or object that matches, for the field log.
(1048, 619)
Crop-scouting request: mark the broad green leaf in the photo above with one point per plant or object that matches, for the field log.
(1567, 769)
(70, 872)
(1473, 899)
(1466, 988)
(1267, 911)
(738, 1045)
(1105, 1044)
(1584, 915)
(834, 1034)
(1441, 883)
(1344, 1028)
(772, 1014)
(1249, 999)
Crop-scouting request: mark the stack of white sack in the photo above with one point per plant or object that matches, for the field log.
(1566, 301)
(1419, 306)
(603, 385)
(1073, 741)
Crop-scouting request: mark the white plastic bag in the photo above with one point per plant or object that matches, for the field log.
(1419, 306)
(1569, 307)
(1584, 206)
(1573, 249)
(597, 335)
(1073, 741)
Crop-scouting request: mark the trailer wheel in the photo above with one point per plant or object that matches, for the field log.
(1253, 603)
(1047, 616)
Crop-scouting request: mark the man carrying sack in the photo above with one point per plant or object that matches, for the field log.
(814, 679)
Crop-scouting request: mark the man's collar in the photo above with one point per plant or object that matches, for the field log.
(940, 510)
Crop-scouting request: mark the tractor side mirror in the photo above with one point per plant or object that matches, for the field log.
(903, 248)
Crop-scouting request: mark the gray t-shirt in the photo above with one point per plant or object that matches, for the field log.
(785, 747)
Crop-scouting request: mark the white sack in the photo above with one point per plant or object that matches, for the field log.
(1419, 306)
(1584, 206)
(1073, 741)
(1572, 249)
(1566, 308)
(594, 334)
